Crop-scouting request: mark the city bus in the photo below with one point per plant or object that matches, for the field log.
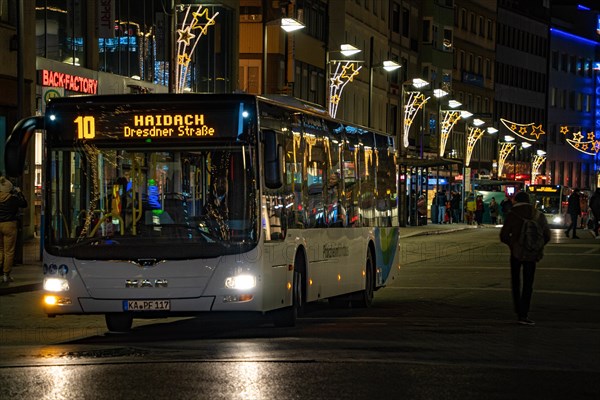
(176, 204)
(551, 200)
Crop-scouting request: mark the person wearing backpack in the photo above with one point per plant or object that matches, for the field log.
(526, 232)
(574, 211)
(595, 207)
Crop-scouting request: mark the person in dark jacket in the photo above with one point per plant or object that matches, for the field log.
(574, 211)
(509, 234)
(11, 199)
(595, 207)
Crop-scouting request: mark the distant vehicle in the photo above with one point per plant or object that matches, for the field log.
(552, 201)
(168, 205)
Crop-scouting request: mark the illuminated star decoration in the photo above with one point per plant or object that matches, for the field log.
(449, 119)
(474, 135)
(187, 41)
(591, 146)
(505, 150)
(416, 100)
(344, 73)
(529, 132)
(537, 162)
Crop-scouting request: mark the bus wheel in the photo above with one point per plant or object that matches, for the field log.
(286, 317)
(364, 298)
(119, 322)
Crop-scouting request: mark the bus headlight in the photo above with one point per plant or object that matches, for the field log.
(56, 285)
(241, 282)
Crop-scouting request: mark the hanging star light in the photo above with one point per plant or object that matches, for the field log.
(449, 119)
(529, 132)
(505, 150)
(187, 41)
(591, 146)
(416, 100)
(474, 135)
(345, 71)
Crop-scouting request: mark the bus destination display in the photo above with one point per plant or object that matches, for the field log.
(143, 123)
(151, 126)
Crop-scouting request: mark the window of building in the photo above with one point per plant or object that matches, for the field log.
(478, 69)
(405, 21)
(564, 62)
(587, 103)
(60, 35)
(555, 60)
(395, 18)
(472, 23)
(481, 27)
(573, 65)
(8, 12)
(490, 29)
(448, 39)
(426, 30)
(463, 19)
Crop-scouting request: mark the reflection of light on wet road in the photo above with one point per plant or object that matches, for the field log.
(246, 380)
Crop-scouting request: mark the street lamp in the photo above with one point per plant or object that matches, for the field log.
(345, 71)
(288, 25)
(388, 66)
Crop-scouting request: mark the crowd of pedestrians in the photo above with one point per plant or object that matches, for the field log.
(448, 207)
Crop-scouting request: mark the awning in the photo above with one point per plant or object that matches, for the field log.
(427, 162)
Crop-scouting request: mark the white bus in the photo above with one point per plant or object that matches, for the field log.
(552, 200)
(167, 205)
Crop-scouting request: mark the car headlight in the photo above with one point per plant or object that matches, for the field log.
(56, 285)
(557, 220)
(242, 282)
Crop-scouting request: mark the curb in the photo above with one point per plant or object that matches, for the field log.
(29, 287)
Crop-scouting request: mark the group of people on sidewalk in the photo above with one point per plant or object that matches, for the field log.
(575, 211)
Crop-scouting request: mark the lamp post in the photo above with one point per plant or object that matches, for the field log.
(339, 79)
(448, 118)
(387, 65)
(288, 25)
(409, 109)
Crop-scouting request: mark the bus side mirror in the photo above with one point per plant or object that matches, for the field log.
(16, 144)
(273, 154)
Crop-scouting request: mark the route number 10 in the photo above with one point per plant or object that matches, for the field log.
(86, 127)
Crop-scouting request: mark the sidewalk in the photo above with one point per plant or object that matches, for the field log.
(28, 276)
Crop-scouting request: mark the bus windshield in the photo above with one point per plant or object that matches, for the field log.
(548, 203)
(107, 203)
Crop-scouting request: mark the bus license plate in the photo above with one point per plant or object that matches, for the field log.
(146, 305)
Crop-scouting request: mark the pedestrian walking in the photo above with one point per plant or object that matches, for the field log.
(494, 211)
(441, 206)
(470, 208)
(455, 203)
(505, 206)
(11, 199)
(595, 207)
(574, 211)
(526, 249)
(479, 209)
